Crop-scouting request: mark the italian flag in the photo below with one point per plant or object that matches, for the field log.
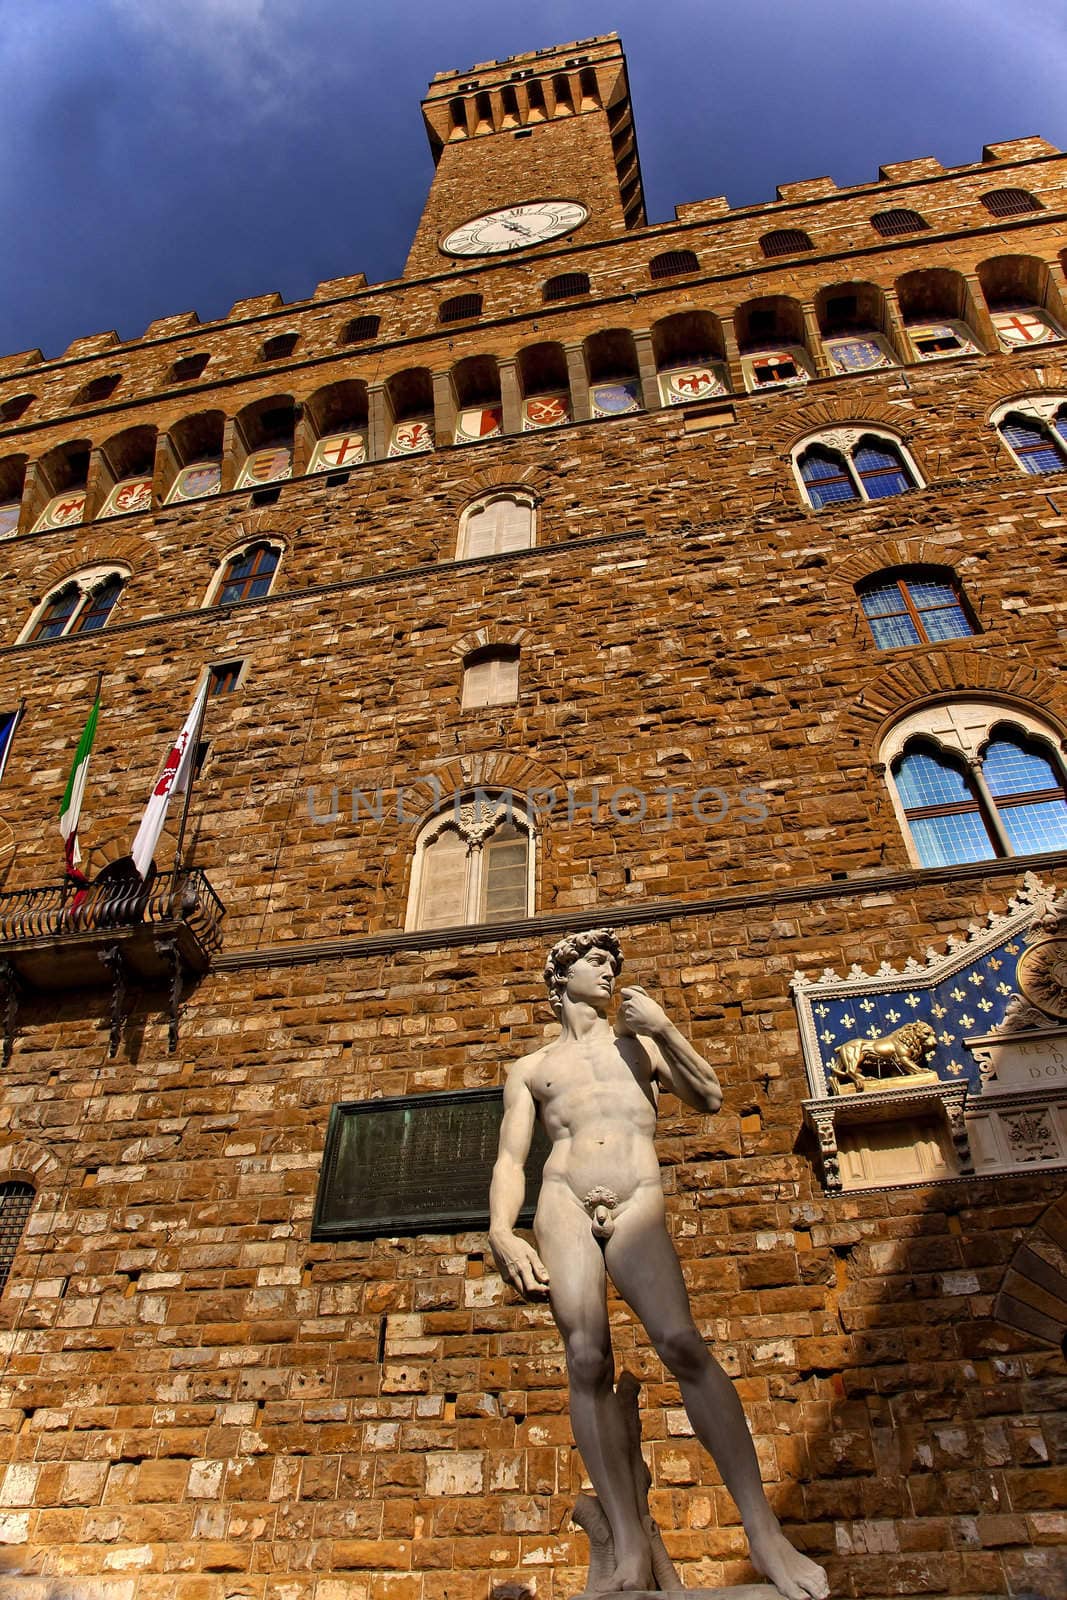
(71, 804)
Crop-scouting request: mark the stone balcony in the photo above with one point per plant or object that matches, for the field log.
(120, 933)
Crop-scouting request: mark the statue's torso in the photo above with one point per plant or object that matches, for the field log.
(597, 1104)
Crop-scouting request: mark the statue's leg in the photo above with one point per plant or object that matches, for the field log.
(578, 1288)
(646, 1272)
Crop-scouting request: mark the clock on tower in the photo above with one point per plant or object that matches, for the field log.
(528, 151)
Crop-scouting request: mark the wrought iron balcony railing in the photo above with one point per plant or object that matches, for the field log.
(118, 931)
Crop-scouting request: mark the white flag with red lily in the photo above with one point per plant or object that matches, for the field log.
(174, 779)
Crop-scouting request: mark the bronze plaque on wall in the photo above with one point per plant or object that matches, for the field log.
(416, 1164)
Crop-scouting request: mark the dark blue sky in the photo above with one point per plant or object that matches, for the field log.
(173, 155)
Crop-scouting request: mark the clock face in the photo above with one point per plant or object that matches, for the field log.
(514, 228)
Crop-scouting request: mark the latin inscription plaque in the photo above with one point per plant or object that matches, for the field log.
(415, 1164)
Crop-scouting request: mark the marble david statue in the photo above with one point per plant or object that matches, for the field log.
(601, 1213)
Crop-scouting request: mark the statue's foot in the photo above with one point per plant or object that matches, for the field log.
(631, 1572)
(793, 1575)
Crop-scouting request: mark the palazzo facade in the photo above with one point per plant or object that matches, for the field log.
(702, 579)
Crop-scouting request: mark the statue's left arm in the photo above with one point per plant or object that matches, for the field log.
(679, 1068)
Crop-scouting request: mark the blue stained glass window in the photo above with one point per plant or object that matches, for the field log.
(947, 622)
(943, 811)
(1037, 451)
(1039, 821)
(1036, 827)
(826, 479)
(914, 610)
(1060, 425)
(890, 633)
(57, 613)
(248, 576)
(8, 723)
(1010, 768)
(943, 841)
(98, 607)
(926, 778)
(881, 470)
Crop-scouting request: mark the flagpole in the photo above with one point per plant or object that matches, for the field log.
(192, 781)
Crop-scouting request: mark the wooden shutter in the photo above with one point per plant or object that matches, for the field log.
(504, 875)
(443, 895)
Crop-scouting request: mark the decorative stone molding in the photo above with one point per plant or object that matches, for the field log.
(489, 769)
(132, 554)
(826, 1117)
(503, 479)
(885, 554)
(961, 726)
(942, 672)
(835, 412)
(1043, 407)
(486, 637)
(26, 1160)
(999, 384)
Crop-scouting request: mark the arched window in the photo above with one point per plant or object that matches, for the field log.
(16, 1203)
(82, 605)
(971, 782)
(247, 575)
(785, 242)
(496, 525)
(186, 368)
(15, 406)
(1037, 437)
(920, 605)
(897, 221)
(846, 465)
(461, 308)
(98, 389)
(474, 863)
(1028, 792)
(360, 330)
(881, 469)
(941, 807)
(672, 263)
(98, 606)
(58, 611)
(826, 478)
(566, 286)
(1009, 202)
(12, 483)
(491, 677)
(278, 347)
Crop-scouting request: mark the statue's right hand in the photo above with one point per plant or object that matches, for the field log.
(518, 1262)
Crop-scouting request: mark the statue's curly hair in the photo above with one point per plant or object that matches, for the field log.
(563, 954)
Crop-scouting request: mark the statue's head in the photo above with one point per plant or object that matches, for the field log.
(575, 947)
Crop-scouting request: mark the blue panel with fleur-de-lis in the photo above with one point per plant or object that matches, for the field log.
(970, 1002)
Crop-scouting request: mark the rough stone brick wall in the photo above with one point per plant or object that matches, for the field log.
(199, 1403)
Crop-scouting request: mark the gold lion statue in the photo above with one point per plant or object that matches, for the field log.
(900, 1054)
